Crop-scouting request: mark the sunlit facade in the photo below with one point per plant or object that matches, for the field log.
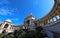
(50, 22)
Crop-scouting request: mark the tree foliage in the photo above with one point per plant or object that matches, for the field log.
(38, 33)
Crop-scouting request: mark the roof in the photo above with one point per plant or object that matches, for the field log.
(8, 20)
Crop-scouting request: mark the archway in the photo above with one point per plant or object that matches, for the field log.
(6, 25)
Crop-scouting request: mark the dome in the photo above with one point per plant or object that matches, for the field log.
(8, 20)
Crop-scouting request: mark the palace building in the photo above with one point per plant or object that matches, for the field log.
(50, 22)
(7, 26)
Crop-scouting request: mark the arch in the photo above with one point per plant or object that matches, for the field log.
(6, 25)
(4, 31)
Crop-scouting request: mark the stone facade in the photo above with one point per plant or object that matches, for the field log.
(7, 27)
(50, 22)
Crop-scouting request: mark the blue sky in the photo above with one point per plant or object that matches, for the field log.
(17, 10)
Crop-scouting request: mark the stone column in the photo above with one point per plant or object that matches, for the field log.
(49, 21)
(58, 14)
(30, 22)
(37, 23)
(52, 19)
(45, 22)
(56, 18)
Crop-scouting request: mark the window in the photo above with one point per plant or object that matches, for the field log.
(57, 16)
(54, 19)
(28, 22)
(35, 24)
(6, 25)
(51, 20)
(0, 25)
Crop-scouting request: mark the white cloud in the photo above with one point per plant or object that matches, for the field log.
(6, 12)
(4, 2)
(12, 19)
(15, 19)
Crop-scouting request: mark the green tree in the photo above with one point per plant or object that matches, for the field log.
(34, 34)
(10, 35)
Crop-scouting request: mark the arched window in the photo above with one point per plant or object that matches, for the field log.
(3, 31)
(0, 24)
(28, 22)
(6, 25)
(54, 19)
(51, 20)
(57, 16)
(35, 24)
